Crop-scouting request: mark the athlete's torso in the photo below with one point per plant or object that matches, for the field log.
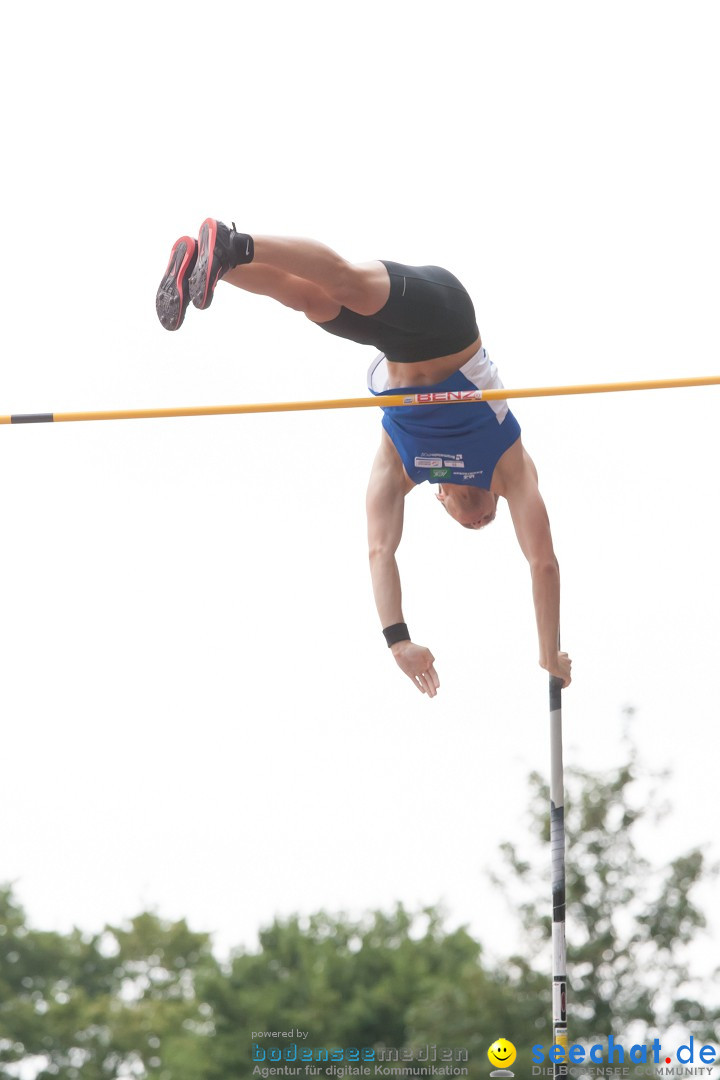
(457, 443)
(426, 372)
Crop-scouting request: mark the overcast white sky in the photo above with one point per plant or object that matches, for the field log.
(199, 711)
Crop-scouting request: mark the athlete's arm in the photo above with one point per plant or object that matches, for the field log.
(385, 511)
(532, 528)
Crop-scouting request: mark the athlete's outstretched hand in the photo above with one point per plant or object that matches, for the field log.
(417, 663)
(559, 665)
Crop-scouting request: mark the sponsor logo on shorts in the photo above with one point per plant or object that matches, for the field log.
(440, 474)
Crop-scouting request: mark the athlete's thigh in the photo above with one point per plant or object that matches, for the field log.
(294, 292)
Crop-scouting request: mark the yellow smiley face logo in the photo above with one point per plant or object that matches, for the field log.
(502, 1053)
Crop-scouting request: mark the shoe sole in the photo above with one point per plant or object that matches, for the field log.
(203, 280)
(173, 294)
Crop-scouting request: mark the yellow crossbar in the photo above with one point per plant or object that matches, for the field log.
(384, 400)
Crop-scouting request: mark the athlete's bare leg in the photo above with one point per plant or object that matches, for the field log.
(294, 292)
(362, 287)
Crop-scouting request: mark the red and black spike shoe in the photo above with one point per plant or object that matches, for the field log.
(219, 249)
(173, 296)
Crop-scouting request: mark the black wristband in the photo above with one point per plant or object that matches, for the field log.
(397, 632)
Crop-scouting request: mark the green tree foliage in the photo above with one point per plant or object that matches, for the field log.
(629, 923)
(150, 1000)
(97, 1007)
(348, 983)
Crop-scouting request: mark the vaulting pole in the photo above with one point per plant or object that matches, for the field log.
(557, 857)
(447, 398)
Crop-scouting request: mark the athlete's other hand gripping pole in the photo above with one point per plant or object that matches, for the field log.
(557, 855)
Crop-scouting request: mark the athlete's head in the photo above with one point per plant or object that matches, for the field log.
(472, 507)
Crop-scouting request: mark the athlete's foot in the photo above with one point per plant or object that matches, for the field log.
(173, 296)
(219, 249)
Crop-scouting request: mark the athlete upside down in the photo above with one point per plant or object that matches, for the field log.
(423, 322)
